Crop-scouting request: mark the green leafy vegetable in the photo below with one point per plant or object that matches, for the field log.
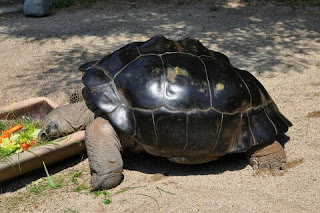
(7, 147)
(50, 180)
(20, 140)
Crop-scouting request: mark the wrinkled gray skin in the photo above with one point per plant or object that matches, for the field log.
(104, 145)
(102, 141)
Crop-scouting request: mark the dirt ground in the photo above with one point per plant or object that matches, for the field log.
(9, 3)
(278, 44)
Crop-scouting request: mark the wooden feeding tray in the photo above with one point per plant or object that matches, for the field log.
(18, 164)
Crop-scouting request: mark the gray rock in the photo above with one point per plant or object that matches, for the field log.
(36, 8)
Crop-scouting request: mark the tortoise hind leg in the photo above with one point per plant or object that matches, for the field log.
(267, 156)
(103, 148)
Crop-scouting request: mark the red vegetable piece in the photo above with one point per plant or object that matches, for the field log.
(33, 142)
(24, 146)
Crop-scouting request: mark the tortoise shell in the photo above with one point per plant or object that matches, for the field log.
(180, 97)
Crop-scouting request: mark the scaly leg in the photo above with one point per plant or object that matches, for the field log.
(105, 160)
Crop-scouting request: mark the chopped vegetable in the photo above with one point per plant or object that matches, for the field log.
(7, 147)
(25, 146)
(13, 129)
(6, 133)
(18, 138)
(50, 180)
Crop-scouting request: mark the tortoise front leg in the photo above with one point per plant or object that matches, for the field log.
(103, 148)
(270, 155)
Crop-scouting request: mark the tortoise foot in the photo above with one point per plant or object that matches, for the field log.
(107, 181)
(267, 156)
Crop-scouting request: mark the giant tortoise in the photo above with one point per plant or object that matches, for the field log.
(174, 99)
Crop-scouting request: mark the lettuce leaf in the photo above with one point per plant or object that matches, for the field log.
(9, 146)
(13, 144)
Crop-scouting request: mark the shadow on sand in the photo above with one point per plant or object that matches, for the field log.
(145, 163)
(252, 37)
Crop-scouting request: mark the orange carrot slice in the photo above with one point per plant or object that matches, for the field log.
(12, 129)
(6, 133)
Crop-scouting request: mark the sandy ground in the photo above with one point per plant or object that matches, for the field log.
(278, 44)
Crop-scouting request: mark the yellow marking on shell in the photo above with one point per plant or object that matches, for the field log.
(180, 71)
(201, 90)
(172, 73)
(203, 87)
(219, 86)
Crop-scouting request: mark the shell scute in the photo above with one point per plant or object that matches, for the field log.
(141, 82)
(106, 98)
(170, 129)
(158, 45)
(228, 133)
(186, 85)
(203, 130)
(145, 127)
(229, 92)
(257, 97)
(261, 126)
(282, 123)
(245, 139)
(122, 118)
(117, 60)
(192, 46)
(94, 78)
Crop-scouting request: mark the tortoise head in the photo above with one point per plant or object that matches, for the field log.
(65, 120)
(50, 131)
(56, 125)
